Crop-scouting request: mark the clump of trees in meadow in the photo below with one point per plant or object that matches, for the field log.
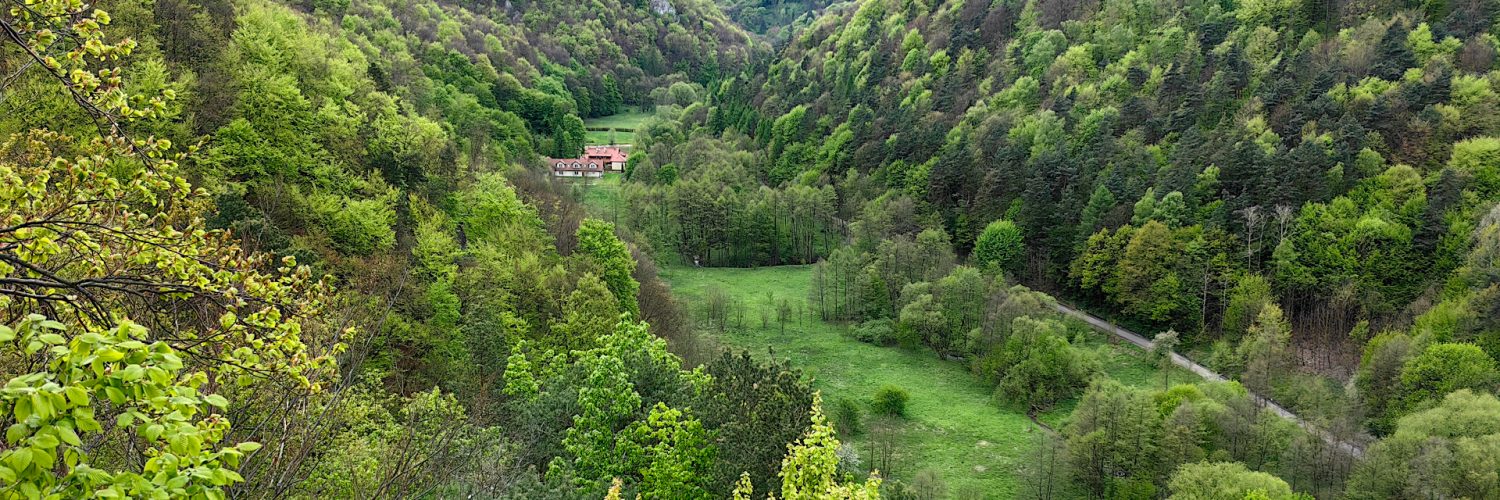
(904, 289)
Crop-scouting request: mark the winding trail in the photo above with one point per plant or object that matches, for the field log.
(1355, 450)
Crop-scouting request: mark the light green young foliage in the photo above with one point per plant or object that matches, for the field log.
(1264, 348)
(596, 239)
(1444, 368)
(1038, 367)
(1227, 481)
(1000, 247)
(607, 402)
(1145, 208)
(672, 451)
(665, 451)
(78, 56)
(1479, 157)
(520, 382)
(54, 411)
(591, 314)
(810, 469)
(1450, 451)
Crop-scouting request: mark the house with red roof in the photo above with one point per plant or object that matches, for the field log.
(596, 160)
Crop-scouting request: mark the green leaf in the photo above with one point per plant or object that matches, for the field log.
(116, 395)
(41, 406)
(110, 355)
(77, 395)
(16, 433)
(42, 458)
(7, 335)
(52, 338)
(19, 459)
(68, 436)
(88, 424)
(45, 440)
(216, 400)
(7, 475)
(248, 446)
(132, 373)
(153, 431)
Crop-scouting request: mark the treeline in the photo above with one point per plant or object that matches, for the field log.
(1190, 440)
(1195, 441)
(250, 250)
(698, 203)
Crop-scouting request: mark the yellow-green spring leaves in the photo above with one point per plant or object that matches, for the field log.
(141, 385)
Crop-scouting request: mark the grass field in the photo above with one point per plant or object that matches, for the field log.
(607, 138)
(623, 127)
(954, 428)
(600, 196)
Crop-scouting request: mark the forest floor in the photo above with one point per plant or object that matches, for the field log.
(954, 427)
(621, 127)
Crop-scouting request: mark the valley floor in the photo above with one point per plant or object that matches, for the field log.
(954, 429)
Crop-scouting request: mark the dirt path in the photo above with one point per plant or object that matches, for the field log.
(1354, 449)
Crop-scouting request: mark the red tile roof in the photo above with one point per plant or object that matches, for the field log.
(605, 153)
(600, 156)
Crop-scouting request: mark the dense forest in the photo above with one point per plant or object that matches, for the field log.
(777, 19)
(310, 249)
(1300, 195)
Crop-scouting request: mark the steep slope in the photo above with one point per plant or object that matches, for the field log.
(300, 251)
(1256, 135)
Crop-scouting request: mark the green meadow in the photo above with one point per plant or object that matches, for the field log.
(954, 428)
(621, 127)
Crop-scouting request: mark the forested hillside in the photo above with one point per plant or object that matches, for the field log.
(301, 250)
(777, 19)
(1300, 193)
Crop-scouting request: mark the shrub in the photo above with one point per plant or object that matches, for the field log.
(890, 400)
(928, 484)
(848, 417)
(876, 331)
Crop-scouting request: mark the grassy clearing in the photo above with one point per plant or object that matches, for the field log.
(607, 137)
(954, 428)
(600, 196)
(623, 126)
